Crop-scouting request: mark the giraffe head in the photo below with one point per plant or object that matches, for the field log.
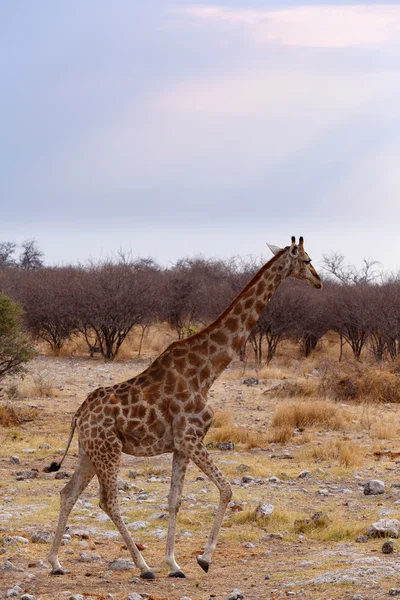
(301, 267)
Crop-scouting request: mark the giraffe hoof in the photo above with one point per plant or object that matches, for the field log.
(147, 575)
(57, 572)
(205, 565)
(179, 574)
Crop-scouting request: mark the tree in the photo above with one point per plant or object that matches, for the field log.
(111, 298)
(31, 256)
(7, 250)
(15, 350)
(334, 265)
(47, 296)
(348, 315)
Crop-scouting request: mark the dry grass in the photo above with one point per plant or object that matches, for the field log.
(318, 413)
(359, 382)
(304, 388)
(38, 385)
(222, 418)
(280, 434)
(248, 438)
(225, 430)
(332, 527)
(11, 416)
(344, 452)
(384, 430)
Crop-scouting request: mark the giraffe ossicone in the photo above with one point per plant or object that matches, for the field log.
(164, 409)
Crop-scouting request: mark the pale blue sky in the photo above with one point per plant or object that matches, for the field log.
(177, 128)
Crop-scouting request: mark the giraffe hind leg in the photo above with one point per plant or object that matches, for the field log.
(69, 494)
(106, 466)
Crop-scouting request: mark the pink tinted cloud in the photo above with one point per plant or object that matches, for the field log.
(312, 26)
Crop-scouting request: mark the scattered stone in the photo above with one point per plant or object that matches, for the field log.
(304, 474)
(22, 475)
(62, 475)
(14, 539)
(247, 479)
(9, 566)
(323, 492)
(121, 564)
(251, 381)
(42, 537)
(249, 545)
(268, 576)
(84, 557)
(77, 597)
(264, 510)
(29, 450)
(132, 474)
(362, 539)
(14, 460)
(274, 479)
(134, 596)
(242, 468)
(374, 487)
(388, 547)
(357, 597)
(225, 445)
(235, 595)
(44, 446)
(122, 485)
(185, 598)
(13, 592)
(136, 525)
(384, 528)
(27, 597)
(271, 536)
(394, 592)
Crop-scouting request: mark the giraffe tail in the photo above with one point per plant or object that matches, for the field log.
(55, 466)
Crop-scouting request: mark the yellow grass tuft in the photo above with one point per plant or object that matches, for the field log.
(317, 413)
(10, 415)
(280, 434)
(345, 452)
(249, 438)
(222, 418)
(303, 387)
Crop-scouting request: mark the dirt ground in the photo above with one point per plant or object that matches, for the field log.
(268, 558)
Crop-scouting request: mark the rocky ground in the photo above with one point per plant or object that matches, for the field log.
(310, 538)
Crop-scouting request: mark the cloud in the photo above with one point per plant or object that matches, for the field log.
(309, 26)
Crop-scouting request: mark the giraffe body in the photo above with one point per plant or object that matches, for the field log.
(164, 409)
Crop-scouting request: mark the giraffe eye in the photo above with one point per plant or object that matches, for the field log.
(307, 262)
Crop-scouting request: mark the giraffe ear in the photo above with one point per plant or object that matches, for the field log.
(274, 249)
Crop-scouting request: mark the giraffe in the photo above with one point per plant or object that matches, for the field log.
(164, 409)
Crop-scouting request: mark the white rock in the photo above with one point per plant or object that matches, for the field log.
(41, 537)
(384, 528)
(136, 525)
(264, 510)
(121, 564)
(374, 487)
(236, 595)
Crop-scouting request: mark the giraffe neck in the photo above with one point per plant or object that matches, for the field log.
(227, 334)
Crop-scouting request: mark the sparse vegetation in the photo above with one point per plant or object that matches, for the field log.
(15, 350)
(301, 414)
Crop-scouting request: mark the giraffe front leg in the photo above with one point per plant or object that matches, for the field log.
(179, 466)
(202, 459)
